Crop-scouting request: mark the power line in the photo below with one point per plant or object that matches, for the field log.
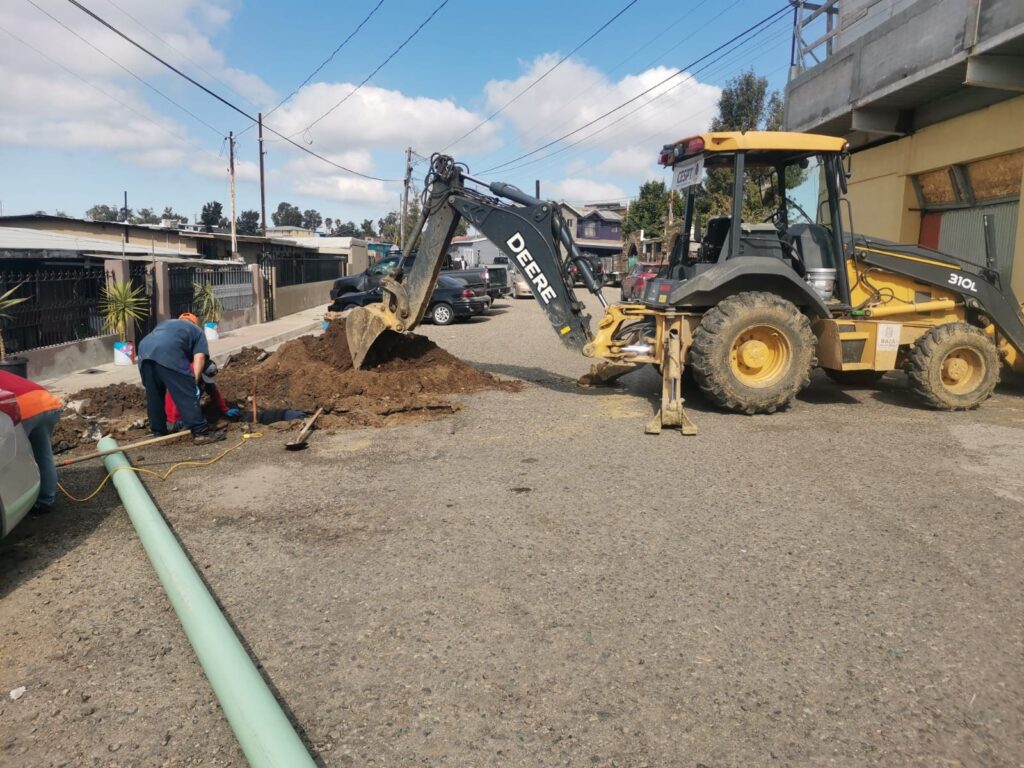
(643, 93)
(325, 61)
(378, 69)
(185, 56)
(560, 62)
(122, 66)
(220, 98)
(113, 98)
(690, 76)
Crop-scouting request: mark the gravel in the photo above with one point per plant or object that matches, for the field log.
(535, 581)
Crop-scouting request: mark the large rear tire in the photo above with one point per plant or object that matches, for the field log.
(752, 353)
(953, 367)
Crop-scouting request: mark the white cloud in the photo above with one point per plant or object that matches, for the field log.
(629, 161)
(581, 190)
(380, 118)
(577, 93)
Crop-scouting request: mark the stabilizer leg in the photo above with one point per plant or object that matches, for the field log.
(671, 413)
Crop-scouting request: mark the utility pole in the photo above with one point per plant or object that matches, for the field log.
(124, 211)
(231, 168)
(263, 188)
(405, 197)
(671, 206)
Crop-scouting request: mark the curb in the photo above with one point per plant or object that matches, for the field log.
(269, 342)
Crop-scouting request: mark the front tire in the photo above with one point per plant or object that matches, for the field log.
(442, 314)
(953, 367)
(752, 353)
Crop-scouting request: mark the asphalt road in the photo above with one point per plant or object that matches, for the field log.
(535, 581)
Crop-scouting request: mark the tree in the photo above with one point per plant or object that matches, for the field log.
(249, 223)
(287, 215)
(366, 229)
(146, 216)
(387, 227)
(649, 211)
(171, 215)
(311, 219)
(347, 229)
(212, 215)
(462, 229)
(61, 213)
(746, 105)
(329, 225)
(103, 213)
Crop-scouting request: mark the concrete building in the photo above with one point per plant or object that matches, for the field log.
(475, 250)
(930, 96)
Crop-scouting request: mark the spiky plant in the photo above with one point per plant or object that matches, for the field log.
(207, 303)
(122, 303)
(7, 300)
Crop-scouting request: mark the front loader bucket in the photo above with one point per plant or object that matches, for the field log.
(369, 332)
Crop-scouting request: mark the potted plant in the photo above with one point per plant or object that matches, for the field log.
(208, 306)
(15, 365)
(123, 303)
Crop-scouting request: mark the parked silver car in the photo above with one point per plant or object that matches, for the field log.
(520, 288)
(19, 475)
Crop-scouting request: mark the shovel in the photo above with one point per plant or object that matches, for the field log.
(300, 440)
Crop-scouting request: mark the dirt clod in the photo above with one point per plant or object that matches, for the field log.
(317, 371)
(112, 401)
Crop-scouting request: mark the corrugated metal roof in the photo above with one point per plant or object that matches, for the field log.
(23, 239)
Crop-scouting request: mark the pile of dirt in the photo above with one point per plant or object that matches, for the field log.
(112, 401)
(317, 371)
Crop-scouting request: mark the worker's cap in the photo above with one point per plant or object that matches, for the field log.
(210, 371)
(190, 317)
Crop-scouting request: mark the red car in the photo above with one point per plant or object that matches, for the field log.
(636, 279)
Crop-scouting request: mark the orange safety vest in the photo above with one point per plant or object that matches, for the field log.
(32, 398)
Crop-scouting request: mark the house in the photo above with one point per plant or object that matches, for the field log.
(475, 250)
(928, 93)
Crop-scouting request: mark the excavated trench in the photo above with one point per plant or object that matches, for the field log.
(415, 382)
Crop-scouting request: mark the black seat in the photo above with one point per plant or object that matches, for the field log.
(813, 244)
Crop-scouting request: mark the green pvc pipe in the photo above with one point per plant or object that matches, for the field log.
(261, 727)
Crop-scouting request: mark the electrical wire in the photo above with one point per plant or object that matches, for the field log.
(683, 70)
(183, 55)
(690, 76)
(375, 71)
(221, 99)
(162, 476)
(551, 69)
(326, 61)
(105, 55)
(113, 98)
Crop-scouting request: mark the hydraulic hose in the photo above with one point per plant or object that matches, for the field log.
(263, 730)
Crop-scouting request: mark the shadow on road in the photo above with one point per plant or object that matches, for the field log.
(39, 541)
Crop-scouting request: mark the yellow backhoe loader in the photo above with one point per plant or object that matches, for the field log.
(754, 306)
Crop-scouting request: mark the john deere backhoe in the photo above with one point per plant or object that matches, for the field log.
(754, 305)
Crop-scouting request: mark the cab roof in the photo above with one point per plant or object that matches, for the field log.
(751, 141)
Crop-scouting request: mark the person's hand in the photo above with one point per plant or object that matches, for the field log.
(199, 392)
(232, 413)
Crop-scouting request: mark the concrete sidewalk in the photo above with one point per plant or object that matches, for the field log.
(264, 335)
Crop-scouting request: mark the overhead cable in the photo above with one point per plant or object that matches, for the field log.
(220, 98)
(551, 69)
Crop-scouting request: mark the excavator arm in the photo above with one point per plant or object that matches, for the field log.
(532, 233)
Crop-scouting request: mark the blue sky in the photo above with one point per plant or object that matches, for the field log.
(65, 144)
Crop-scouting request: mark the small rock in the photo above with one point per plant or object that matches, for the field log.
(17, 693)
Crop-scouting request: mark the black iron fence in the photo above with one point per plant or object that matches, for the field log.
(232, 285)
(62, 305)
(296, 270)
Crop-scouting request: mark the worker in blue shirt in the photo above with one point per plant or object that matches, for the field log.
(171, 361)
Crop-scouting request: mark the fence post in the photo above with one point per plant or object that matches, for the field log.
(257, 287)
(162, 288)
(116, 271)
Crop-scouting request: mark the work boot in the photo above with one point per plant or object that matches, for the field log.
(212, 436)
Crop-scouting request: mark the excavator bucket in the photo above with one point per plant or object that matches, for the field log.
(369, 331)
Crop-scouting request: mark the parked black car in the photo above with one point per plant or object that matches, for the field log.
(452, 299)
(367, 280)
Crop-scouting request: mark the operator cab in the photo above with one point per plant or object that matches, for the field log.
(782, 188)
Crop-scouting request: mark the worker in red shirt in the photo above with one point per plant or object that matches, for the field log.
(40, 411)
(209, 385)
